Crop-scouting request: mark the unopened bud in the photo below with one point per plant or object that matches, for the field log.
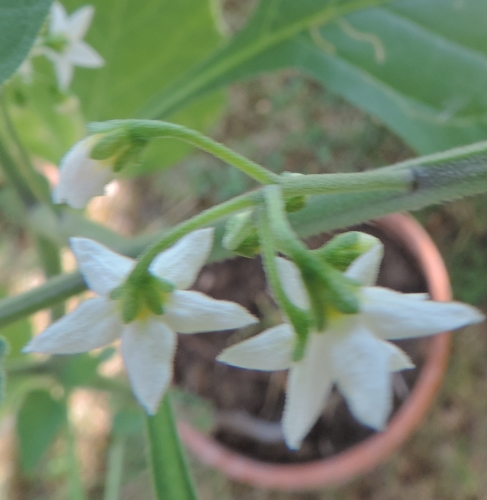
(344, 248)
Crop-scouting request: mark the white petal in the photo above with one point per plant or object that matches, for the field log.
(82, 54)
(102, 268)
(393, 315)
(193, 312)
(308, 387)
(59, 19)
(292, 282)
(94, 323)
(361, 366)
(269, 350)
(181, 263)
(79, 22)
(365, 268)
(148, 350)
(80, 177)
(398, 359)
(62, 67)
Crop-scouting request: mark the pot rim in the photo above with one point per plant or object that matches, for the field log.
(361, 458)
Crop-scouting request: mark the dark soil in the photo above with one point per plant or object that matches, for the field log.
(249, 403)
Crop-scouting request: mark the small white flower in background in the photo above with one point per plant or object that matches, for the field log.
(148, 343)
(64, 45)
(80, 177)
(352, 352)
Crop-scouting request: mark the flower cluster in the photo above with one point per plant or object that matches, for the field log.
(353, 352)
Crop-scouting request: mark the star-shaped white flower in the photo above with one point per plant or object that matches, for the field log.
(148, 344)
(68, 32)
(80, 177)
(352, 352)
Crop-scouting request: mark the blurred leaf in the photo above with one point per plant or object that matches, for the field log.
(20, 21)
(4, 348)
(146, 46)
(47, 121)
(38, 422)
(16, 334)
(80, 369)
(420, 67)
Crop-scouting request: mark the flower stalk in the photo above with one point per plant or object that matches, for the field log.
(170, 472)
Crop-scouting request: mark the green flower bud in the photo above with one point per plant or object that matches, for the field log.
(241, 234)
(344, 248)
(295, 203)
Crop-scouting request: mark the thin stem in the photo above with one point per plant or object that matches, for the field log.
(51, 262)
(297, 316)
(115, 469)
(204, 218)
(34, 179)
(75, 483)
(10, 169)
(51, 292)
(159, 129)
(170, 473)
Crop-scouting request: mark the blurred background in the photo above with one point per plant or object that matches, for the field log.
(286, 121)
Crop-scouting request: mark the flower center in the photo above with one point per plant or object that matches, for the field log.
(56, 42)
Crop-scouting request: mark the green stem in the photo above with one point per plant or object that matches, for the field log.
(204, 218)
(36, 182)
(115, 469)
(438, 178)
(51, 262)
(51, 292)
(12, 173)
(297, 316)
(374, 180)
(169, 470)
(75, 483)
(159, 129)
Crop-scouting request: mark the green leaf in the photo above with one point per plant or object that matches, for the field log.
(420, 67)
(47, 121)
(20, 22)
(39, 420)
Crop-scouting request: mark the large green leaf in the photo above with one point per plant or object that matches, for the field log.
(38, 423)
(418, 65)
(20, 21)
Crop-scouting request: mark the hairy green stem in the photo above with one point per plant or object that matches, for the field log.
(158, 129)
(204, 218)
(297, 316)
(437, 178)
(170, 473)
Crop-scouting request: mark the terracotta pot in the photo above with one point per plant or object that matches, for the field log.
(374, 450)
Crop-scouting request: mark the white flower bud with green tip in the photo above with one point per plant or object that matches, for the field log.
(353, 351)
(64, 44)
(81, 177)
(148, 343)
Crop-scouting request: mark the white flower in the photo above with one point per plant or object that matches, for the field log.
(65, 46)
(148, 343)
(81, 177)
(352, 352)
